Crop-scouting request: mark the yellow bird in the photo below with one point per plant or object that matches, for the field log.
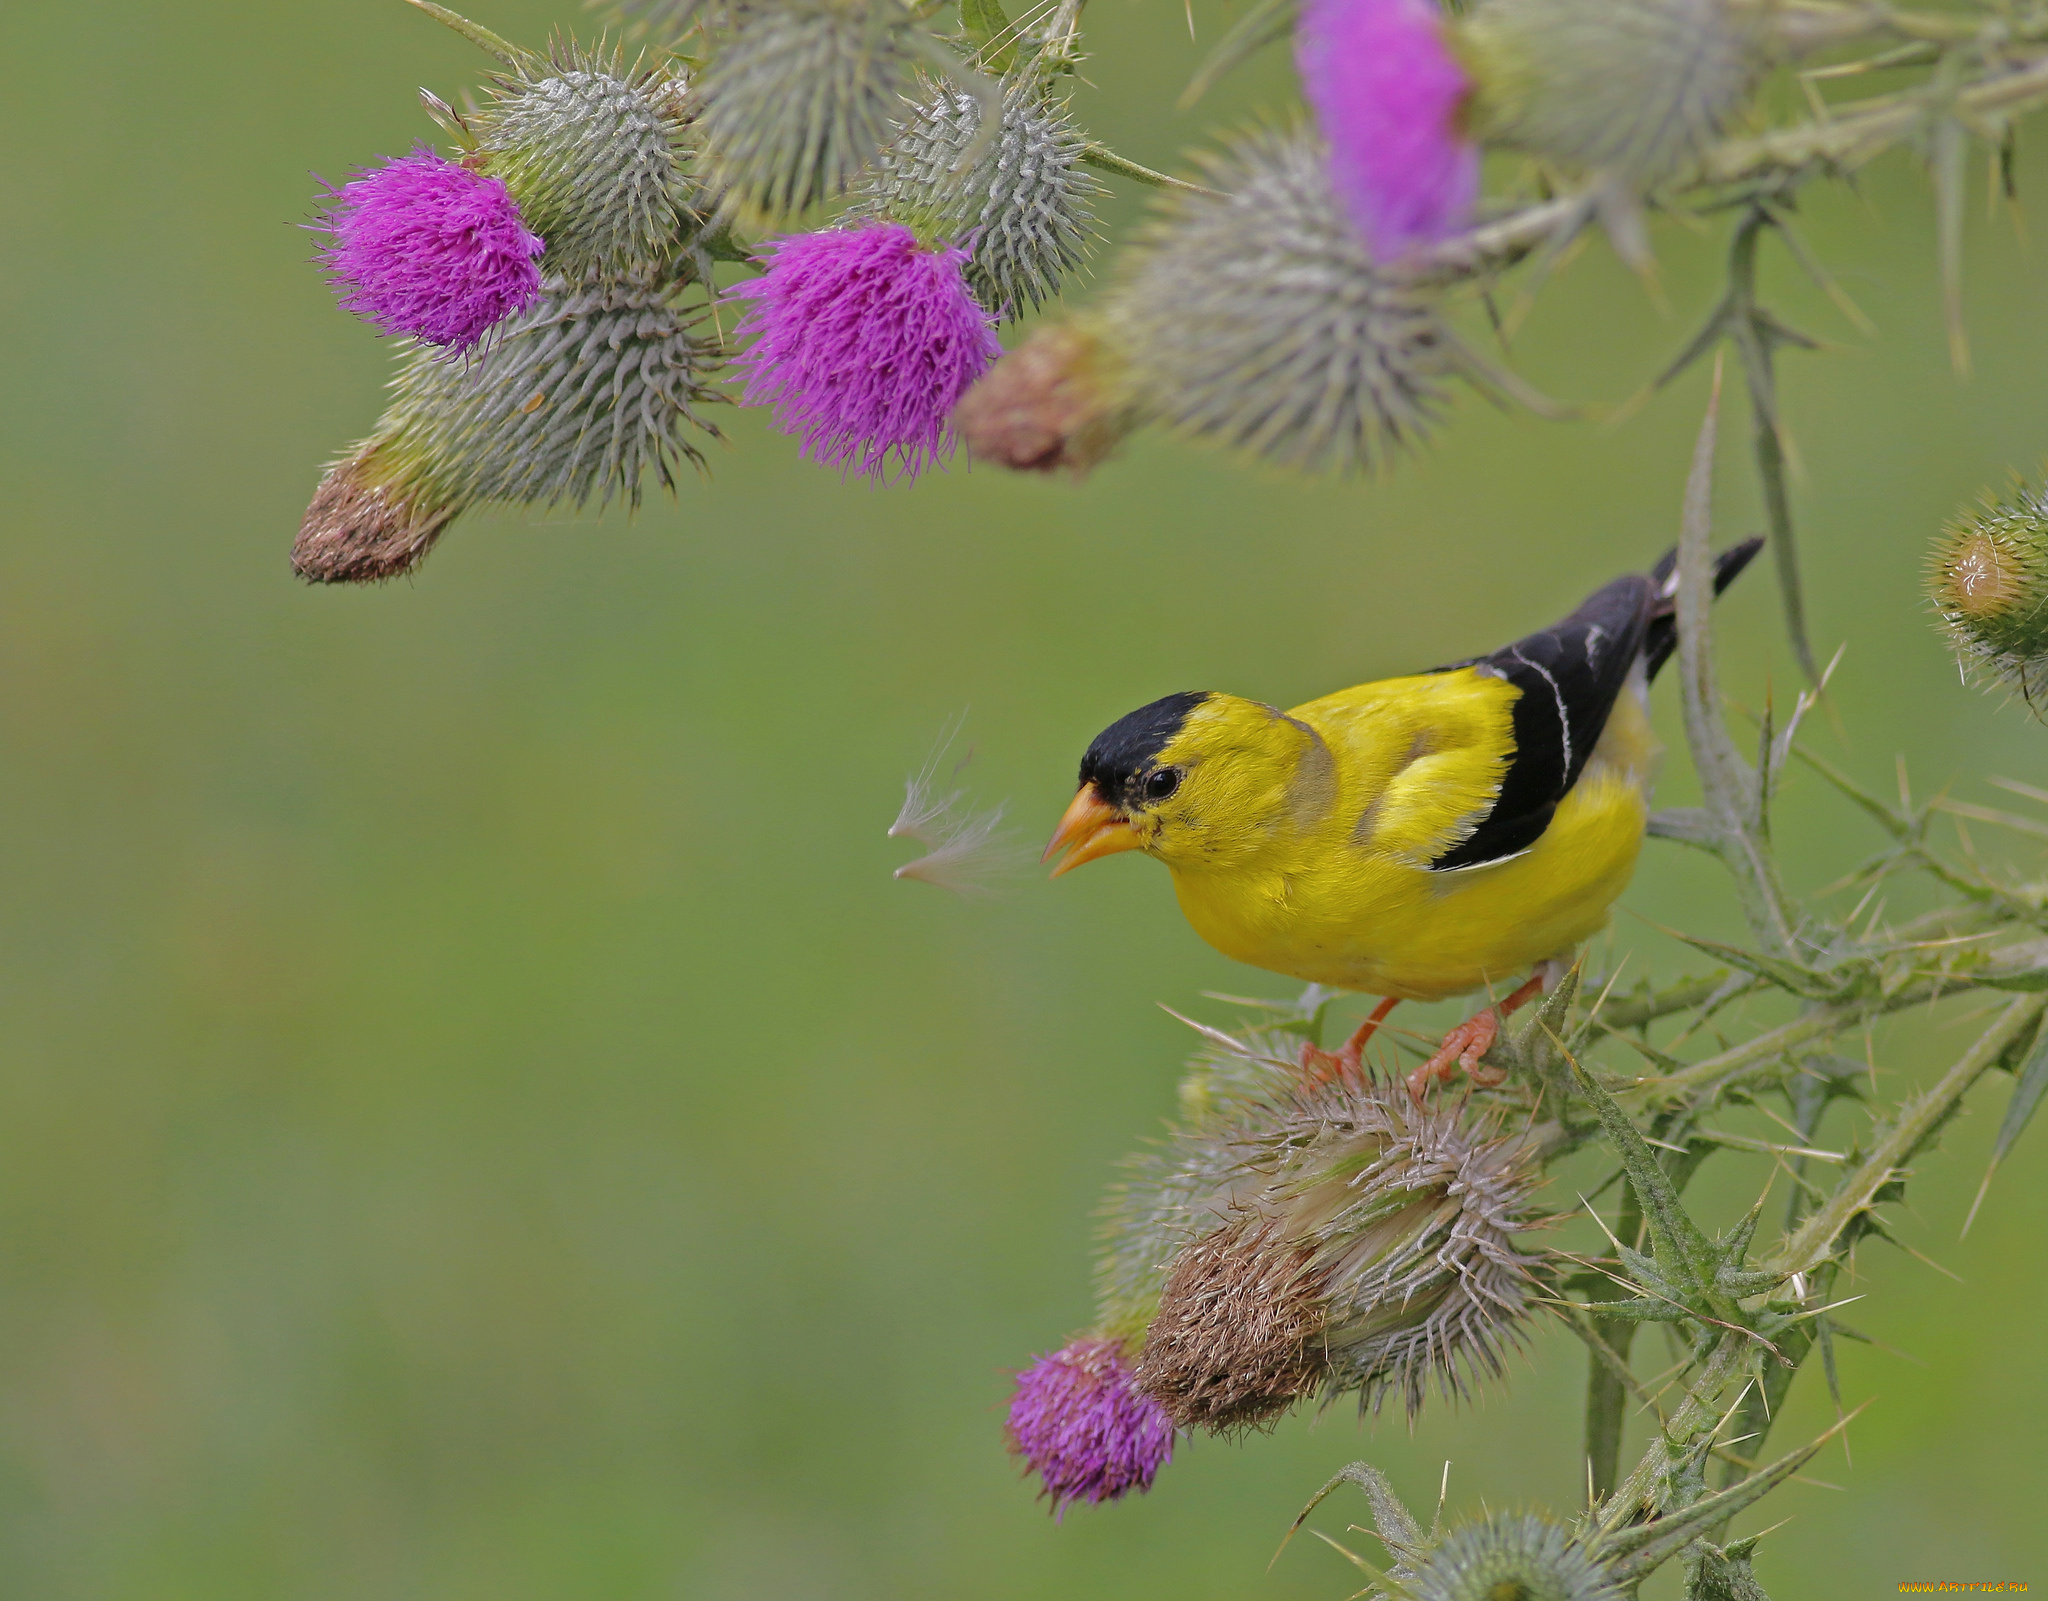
(1414, 838)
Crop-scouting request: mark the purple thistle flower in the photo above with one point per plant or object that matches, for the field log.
(1080, 1422)
(423, 246)
(863, 342)
(1387, 92)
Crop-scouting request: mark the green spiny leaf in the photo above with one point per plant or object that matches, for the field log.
(1634, 1551)
(2026, 1095)
(1682, 1249)
(1395, 1524)
(989, 30)
(1801, 981)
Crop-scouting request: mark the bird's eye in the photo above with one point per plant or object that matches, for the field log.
(1162, 783)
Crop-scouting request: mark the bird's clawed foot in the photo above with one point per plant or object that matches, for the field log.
(1323, 1067)
(1462, 1047)
(1468, 1042)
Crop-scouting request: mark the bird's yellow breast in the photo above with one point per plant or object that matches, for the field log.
(1339, 891)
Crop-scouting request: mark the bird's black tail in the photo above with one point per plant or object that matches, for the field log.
(1661, 639)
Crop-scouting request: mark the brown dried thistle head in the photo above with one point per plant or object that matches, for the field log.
(1054, 403)
(363, 527)
(1237, 1340)
(1365, 1244)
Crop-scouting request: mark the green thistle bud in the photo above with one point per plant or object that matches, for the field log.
(593, 153)
(1258, 318)
(1056, 402)
(1633, 88)
(576, 400)
(1336, 1238)
(1022, 211)
(801, 98)
(1507, 1556)
(1988, 580)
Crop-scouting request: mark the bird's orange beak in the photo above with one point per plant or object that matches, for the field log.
(1091, 828)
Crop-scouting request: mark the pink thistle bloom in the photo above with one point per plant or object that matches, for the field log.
(423, 246)
(1080, 1422)
(1387, 92)
(863, 342)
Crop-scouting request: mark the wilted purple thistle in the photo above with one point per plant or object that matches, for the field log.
(1388, 94)
(1080, 1422)
(863, 342)
(423, 246)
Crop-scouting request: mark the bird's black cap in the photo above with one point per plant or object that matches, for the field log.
(1124, 751)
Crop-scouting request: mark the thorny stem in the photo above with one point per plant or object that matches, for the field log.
(1733, 822)
(1732, 790)
(1098, 155)
(1606, 1389)
(1760, 1408)
(1812, 26)
(1063, 36)
(1700, 1409)
(1852, 138)
(1634, 1011)
(1916, 1120)
(1781, 157)
(1755, 337)
(1698, 1080)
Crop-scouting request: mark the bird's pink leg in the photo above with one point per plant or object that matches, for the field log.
(1469, 1041)
(1321, 1066)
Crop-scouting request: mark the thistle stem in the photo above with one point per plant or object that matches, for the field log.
(1755, 340)
(1814, 1240)
(1854, 137)
(1813, 26)
(1108, 160)
(1731, 787)
(1606, 1384)
(1737, 1065)
(1700, 1409)
(1781, 157)
(1633, 1012)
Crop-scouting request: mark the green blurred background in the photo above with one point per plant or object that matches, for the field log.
(478, 1118)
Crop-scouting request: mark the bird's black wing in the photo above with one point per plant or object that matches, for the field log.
(1569, 676)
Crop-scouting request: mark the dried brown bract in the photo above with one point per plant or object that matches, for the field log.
(1050, 405)
(1238, 1338)
(359, 531)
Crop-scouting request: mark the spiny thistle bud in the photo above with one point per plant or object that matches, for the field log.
(800, 98)
(424, 247)
(1389, 97)
(1082, 1425)
(1989, 583)
(593, 153)
(1257, 317)
(1633, 88)
(1056, 402)
(1338, 1237)
(1021, 212)
(577, 400)
(863, 343)
(1506, 1556)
